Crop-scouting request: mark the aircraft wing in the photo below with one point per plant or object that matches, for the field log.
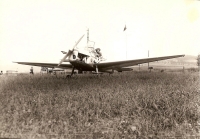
(119, 64)
(49, 65)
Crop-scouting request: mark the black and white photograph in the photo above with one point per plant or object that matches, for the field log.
(99, 69)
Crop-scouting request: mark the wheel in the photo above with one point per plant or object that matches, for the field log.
(68, 76)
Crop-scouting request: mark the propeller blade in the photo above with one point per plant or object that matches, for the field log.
(78, 42)
(70, 51)
(68, 54)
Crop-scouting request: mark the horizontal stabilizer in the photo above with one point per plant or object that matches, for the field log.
(93, 72)
(64, 52)
(124, 69)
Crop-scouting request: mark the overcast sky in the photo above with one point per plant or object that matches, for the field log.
(37, 30)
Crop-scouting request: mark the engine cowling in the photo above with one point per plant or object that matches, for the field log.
(74, 55)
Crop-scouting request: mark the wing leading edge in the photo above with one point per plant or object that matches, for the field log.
(127, 63)
(117, 65)
(49, 65)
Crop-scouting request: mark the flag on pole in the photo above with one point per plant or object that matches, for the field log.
(125, 28)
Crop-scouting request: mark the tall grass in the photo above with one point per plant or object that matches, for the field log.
(125, 105)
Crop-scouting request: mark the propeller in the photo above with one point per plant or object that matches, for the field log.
(70, 51)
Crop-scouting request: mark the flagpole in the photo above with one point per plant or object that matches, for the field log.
(148, 56)
(126, 40)
(126, 46)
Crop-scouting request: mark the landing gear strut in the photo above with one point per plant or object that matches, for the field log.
(69, 76)
(97, 71)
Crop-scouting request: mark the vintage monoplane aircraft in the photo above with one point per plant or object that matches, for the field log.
(90, 59)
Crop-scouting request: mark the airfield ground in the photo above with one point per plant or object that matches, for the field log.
(125, 105)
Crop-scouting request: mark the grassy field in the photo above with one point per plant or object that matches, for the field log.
(125, 105)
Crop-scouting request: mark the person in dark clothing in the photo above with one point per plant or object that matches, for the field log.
(99, 54)
(31, 70)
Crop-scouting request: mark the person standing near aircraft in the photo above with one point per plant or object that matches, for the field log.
(1, 73)
(31, 70)
(99, 54)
